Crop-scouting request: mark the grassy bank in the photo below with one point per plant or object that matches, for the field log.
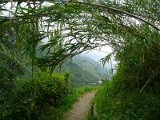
(126, 105)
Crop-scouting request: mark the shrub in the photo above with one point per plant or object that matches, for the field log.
(33, 97)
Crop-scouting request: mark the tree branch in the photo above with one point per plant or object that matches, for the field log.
(118, 11)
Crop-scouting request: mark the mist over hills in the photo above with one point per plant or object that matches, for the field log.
(110, 67)
(83, 70)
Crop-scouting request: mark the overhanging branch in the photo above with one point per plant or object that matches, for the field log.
(118, 11)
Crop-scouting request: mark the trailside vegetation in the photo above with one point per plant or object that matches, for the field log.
(36, 38)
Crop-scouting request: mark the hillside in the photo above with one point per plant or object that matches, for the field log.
(89, 64)
(83, 71)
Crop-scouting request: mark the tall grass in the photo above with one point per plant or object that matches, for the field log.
(126, 105)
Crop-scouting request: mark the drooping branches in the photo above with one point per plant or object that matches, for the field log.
(118, 11)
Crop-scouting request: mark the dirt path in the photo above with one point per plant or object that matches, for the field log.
(81, 108)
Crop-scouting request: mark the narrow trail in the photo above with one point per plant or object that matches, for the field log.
(81, 108)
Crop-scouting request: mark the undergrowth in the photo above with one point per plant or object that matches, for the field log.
(126, 105)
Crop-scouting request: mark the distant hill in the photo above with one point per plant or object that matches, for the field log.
(83, 70)
(90, 65)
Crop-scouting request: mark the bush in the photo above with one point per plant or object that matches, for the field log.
(32, 98)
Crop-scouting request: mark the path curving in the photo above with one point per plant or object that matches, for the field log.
(81, 108)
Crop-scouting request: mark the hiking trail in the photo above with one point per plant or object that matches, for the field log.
(81, 108)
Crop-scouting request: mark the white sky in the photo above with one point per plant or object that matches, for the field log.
(98, 54)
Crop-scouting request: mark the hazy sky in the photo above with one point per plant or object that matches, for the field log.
(98, 54)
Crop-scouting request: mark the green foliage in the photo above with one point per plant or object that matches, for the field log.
(32, 98)
(130, 28)
(134, 91)
(139, 62)
(6, 77)
(126, 105)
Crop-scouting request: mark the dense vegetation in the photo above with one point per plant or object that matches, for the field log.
(32, 98)
(28, 63)
(126, 105)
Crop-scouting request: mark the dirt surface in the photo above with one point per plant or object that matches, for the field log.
(81, 108)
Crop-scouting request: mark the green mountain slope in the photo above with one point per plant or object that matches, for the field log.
(89, 65)
(82, 70)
